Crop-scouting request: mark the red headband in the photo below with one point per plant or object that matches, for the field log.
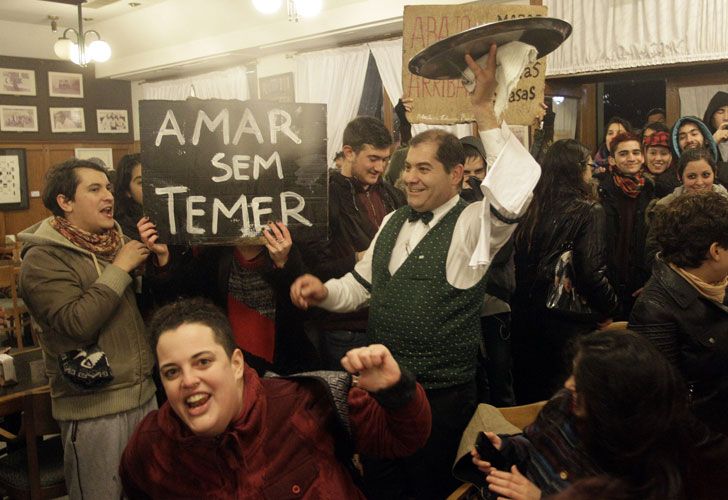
(660, 139)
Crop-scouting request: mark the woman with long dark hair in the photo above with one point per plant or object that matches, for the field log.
(128, 194)
(623, 415)
(564, 215)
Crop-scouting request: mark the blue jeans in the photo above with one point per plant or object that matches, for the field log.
(494, 376)
(334, 344)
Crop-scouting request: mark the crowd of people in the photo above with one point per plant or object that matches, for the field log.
(350, 367)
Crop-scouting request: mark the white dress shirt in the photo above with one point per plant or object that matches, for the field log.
(347, 294)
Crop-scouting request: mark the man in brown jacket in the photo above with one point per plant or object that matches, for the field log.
(76, 278)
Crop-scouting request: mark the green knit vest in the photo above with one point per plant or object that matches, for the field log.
(431, 327)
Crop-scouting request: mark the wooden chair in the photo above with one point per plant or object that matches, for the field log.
(13, 308)
(520, 416)
(35, 471)
(617, 325)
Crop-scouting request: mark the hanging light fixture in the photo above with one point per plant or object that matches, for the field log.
(80, 50)
(296, 8)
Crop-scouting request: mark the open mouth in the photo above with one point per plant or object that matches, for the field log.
(108, 211)
(197, 400)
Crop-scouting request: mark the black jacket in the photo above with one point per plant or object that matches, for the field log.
(534, 266)
(692, 332)
(350, 230)
(638, 271)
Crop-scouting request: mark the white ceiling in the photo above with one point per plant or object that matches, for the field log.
(165, 38)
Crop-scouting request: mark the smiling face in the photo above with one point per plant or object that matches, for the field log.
(428, 184)
(627, 157)
(657, 159)
(204, 386)
(367, 165)
(689, 136)
(92, 206)
(697, 176)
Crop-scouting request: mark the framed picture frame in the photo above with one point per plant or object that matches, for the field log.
(65, 120)
(277, 88)
(13, 180)
(65, 84)
(17, 81)
(106, 155)
(18, 118)
(112, 121)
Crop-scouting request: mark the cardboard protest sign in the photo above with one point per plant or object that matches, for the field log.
(447, 101)
(216, 171)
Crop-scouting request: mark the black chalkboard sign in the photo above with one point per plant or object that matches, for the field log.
(216, 171)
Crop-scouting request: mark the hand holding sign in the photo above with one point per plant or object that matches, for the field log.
(278, 242)
(149, 235)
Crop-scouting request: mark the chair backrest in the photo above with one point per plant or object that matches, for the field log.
(524, 415)
(37, 421)
(8, 279)
(616, 325)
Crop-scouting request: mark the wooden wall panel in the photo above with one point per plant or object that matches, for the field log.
(40, 156)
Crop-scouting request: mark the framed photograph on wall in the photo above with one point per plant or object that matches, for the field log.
(18, 118)
(277, 88)
(65, 84)
(104, 154)
(13, 180)
(67, 120)
(112, 121)
(17, 81)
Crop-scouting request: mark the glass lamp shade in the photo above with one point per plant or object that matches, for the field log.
(75, 55)
(63, 48)
(99, 51)
(267, 6)
(308, 8)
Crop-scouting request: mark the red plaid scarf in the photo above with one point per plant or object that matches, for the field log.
(631, 185)
(104, 245)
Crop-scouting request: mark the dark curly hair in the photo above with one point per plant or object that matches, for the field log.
(696, 154)
(194, 310)
(62, 179)
(687, 227)
(366, 130)
(623, 137)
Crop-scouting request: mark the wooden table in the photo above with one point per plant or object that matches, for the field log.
(11, 396)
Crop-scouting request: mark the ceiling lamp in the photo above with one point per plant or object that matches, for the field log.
(80, 50)
(296, 8)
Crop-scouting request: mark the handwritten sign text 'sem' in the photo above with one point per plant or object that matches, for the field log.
(217, 171)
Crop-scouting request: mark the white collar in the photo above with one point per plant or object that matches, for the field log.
(439, 212)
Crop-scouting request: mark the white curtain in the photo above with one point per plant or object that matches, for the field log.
(616, 34)
(388, 55)
(694, 100)
(336, 78)
(565, 121)
(231, 83)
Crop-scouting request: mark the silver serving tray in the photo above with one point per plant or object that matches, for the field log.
(445, 60)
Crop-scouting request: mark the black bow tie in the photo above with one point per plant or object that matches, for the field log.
(425, 217)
